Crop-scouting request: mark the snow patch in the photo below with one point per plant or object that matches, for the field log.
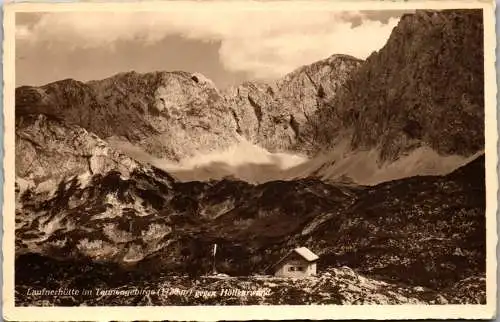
(364, 167)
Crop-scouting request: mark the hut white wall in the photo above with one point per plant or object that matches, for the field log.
(312, 269)
(284, 270)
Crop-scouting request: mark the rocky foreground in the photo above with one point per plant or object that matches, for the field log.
(420, 231)
(334, 286)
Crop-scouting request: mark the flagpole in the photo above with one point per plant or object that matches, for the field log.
(214, 252)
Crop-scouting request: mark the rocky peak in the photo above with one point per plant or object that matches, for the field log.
(422, 91)
(274, 115)
(175, 115)
(168, 114)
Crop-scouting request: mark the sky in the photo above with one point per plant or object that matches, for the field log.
(228, 46)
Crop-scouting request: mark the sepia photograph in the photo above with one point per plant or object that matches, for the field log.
(201, 156)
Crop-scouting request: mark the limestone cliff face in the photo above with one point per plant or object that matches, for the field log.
(185, 111)
(276, 115)
(175, 115)
(425, 87)
(416, 107)
(169, 114)
(49, 152)
(49, 149)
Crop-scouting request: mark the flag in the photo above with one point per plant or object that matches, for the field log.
(215, 249)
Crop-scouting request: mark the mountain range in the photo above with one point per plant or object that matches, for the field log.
(377, 165)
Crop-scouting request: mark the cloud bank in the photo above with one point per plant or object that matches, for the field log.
(264, 43)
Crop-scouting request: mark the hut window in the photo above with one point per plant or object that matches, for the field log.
(300, 268)
(291, 269)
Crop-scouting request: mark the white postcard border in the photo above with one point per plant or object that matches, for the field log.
(249, 312)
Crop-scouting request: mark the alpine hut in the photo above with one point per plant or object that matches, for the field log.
(299, 262)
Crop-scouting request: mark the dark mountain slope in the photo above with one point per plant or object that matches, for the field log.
(427, 231)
